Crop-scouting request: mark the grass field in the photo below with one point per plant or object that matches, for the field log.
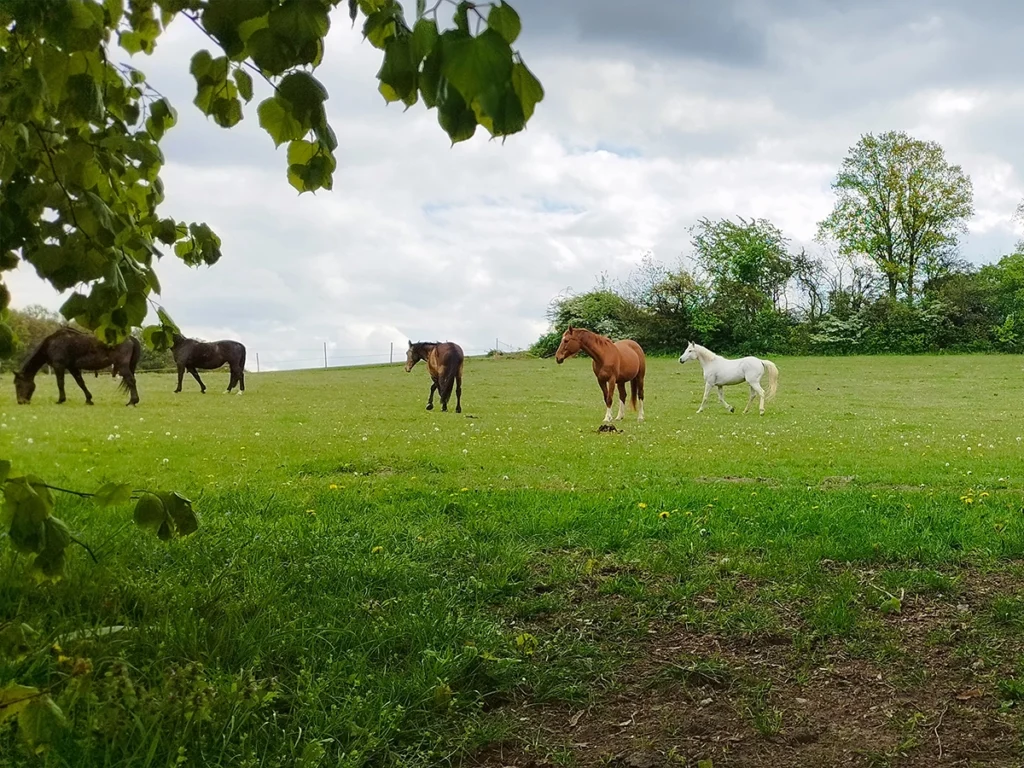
(375, 585)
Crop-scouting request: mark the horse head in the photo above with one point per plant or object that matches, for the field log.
(570, 345)
(24, 387)
(413, 355)
(690, 353)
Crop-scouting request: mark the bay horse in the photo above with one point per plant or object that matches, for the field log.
(73, 351)
(192, 354)
(444, 364)
(615, 364)
(720, 371)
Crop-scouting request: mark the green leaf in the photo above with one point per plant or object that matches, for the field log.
(244, 83)
(14, 698)
(300, 22)
(275, 115)
(201, 64)
(15, 644)
(475, 64)
(424, 39)
(455, 116)
(891, 605)
(149, 512)
(40, 722)
(504, 20)
(84, 97)
(305, 94)
(527, 88)
(224, 18)
(112, 494)
(398, 73)
(180, 511)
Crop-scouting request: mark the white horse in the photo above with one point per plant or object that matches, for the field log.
(720, 371)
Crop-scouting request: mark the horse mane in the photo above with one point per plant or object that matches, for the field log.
(704, 353)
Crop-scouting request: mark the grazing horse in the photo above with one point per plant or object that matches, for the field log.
(73, 351)
(720, 371)
(615, 364)
(444, 364)
(192, 354)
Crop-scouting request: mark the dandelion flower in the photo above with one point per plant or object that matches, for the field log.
(333, 486)
(642, 505)
(463, 490)
(376, 550)
(983, 494)
(664, 514)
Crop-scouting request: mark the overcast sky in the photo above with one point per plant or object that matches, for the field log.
(654, 117)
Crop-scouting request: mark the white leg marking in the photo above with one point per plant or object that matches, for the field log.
(640, 416)
(608, 414)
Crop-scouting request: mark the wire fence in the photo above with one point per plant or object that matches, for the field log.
(304, 358)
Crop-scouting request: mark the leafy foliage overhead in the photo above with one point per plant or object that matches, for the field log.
(80, 130)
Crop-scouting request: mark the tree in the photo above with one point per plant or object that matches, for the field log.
(80, 132)
(901, 204)
(749, 253)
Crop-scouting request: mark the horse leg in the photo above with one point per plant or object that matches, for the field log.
(608, 390)
(707, 391)
(181, 375)
(753, 394)
(755, 386)
(241, 379)
(622, 400)
(59, 374)
(77, 376)
(195, 375)
(433, 389)
(128, 380)
(232, 378)
(721, 398)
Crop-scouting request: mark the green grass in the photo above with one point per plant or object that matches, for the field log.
(373, 584)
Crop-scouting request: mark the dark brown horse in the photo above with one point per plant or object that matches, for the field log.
(191, 355)
(444, 363)
(73, 351)
(615, 364)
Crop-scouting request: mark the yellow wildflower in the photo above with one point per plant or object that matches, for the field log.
(642, 505)
(333, 486)
(664, 514)
(376, 550)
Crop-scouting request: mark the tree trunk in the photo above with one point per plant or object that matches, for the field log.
(893, 285)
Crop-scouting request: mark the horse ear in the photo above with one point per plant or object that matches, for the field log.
(410, 343)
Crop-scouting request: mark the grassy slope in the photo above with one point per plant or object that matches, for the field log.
(384, 585)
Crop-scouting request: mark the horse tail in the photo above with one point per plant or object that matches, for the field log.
(452, 362)
(773, 379)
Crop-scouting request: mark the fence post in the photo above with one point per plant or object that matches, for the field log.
(392, 355)
(257, 362)
(325, 355)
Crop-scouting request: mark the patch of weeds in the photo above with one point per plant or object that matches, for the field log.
(1007, 612)
(698, 672)
(766, 719)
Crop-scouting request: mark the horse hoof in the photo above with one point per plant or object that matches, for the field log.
(88, 402)
(430, 406)
(240, 392)
(732, 410)
(458, 409)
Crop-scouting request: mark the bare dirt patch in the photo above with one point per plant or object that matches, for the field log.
(770, 702)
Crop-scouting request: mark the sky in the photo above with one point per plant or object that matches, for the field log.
(654, 117)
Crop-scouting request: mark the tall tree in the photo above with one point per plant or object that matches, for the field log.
(748, 253)
(80, 130)
(900, 203)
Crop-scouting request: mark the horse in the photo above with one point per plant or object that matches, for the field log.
(444, 364)
(720, 371)
(615, 364)
(192, 354)
(68, 349)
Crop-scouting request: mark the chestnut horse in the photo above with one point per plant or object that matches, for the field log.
(444, 364)
(73, 351)
(615, 363)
